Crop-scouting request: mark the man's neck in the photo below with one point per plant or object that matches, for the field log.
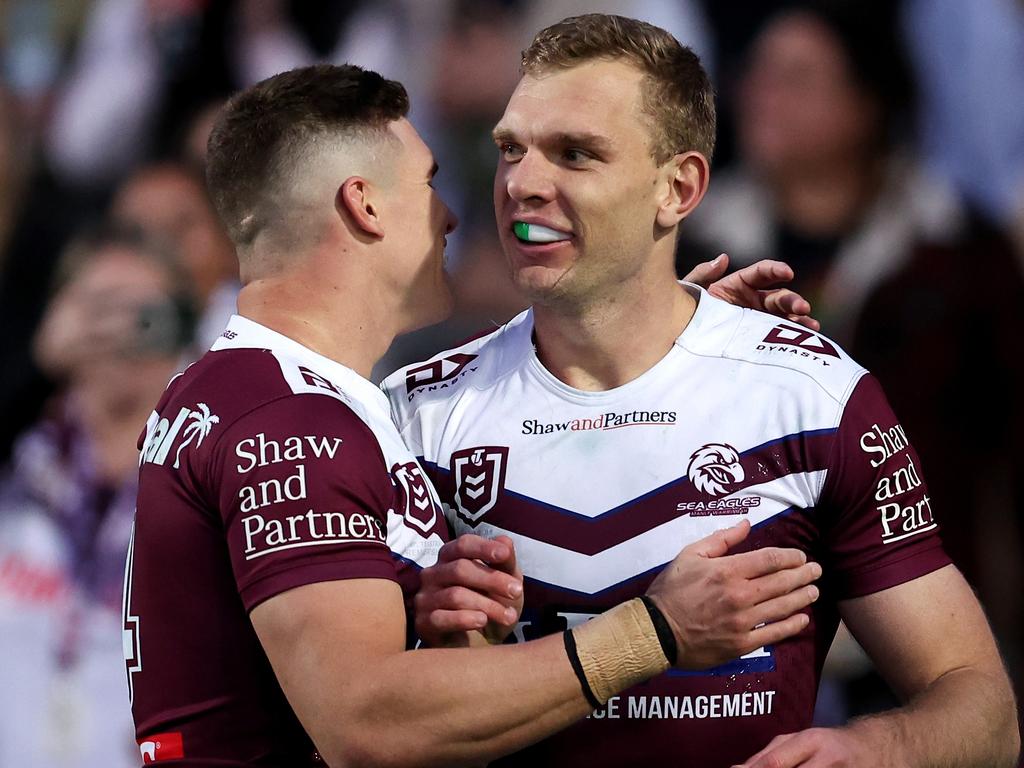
(347, 326)
(612, 342)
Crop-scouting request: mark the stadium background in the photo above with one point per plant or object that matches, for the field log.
(876, 146)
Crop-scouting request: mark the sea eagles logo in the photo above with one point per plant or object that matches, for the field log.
(479, 477)
(714, 467)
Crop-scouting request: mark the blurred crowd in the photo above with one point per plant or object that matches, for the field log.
(876, 146)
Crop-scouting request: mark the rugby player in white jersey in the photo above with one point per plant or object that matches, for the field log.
(626, 413)
(281, 522)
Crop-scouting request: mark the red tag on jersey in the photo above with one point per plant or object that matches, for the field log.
(162, 746)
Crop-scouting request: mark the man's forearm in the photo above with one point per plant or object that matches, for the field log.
(367, 702)
(966, 718)
(455, 706)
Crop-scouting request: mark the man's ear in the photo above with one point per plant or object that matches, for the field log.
(686, 182)
(356, 203)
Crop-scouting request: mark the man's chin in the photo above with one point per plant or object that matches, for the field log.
(541, 285)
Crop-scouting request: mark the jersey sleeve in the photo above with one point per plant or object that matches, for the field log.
(881, 529)
(303, 493)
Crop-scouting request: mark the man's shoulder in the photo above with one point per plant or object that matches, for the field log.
(476, 363)
(245, 378)
(771, 348)
(234, 386)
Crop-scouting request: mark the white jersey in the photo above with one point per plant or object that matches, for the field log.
(745, 416)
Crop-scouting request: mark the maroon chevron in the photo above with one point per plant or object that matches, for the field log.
(565, 528)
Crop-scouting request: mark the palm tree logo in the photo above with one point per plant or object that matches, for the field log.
(201, 421)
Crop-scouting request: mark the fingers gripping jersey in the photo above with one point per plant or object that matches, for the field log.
(264, 467)
(745, 417)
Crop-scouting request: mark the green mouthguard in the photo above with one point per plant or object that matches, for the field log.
(522, 230)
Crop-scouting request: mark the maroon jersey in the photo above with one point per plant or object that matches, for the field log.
(264, 467)
(745, 416)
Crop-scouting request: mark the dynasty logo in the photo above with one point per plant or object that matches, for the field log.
(799, 342)
(438, 374)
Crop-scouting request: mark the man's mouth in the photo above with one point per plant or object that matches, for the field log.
(537, 233)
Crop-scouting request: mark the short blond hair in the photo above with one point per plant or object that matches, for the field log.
(676, 94)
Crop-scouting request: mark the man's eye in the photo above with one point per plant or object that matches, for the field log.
(511, 151)
(576, 155)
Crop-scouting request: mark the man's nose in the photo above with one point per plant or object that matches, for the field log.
(530, 178)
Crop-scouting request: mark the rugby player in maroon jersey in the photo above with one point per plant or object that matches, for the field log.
(281, 523)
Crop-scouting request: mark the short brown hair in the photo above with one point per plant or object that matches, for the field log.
(676, 94)
(262, 130)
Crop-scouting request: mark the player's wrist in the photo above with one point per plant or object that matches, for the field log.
(885, 734)
(663, 627)
(616, 650)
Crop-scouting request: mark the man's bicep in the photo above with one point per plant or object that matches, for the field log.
(919, 630)
(322, 638)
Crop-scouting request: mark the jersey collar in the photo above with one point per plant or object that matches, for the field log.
(243, 333)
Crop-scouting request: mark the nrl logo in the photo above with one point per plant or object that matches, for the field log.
(420, 510)
(714, 468)
(479, 477)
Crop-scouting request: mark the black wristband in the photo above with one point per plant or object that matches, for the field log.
(577, 667)
(666, 636)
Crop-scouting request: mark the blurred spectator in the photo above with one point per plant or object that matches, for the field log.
(825, 182)
(972, 103)
(38, 216)
(141, 70)
(733, 24)
(145, 69)
(13, 169)
(884, 251)
(168, 203)
(113, 334)
(35, 35)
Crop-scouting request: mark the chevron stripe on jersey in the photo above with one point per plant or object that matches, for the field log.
(747, 417)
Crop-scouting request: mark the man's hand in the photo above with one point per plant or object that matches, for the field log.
(752, 287)
(717, 604)
(818, 748)
(475, 585)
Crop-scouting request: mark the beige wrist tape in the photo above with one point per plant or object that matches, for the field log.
(618, 649)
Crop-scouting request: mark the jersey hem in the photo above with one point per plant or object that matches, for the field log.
(382, 567)
(869, 582)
